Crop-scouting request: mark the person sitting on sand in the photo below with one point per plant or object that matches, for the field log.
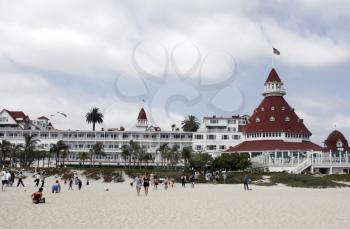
(56, 187)
(37, 197)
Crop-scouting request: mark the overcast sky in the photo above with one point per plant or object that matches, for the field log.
(182, 57)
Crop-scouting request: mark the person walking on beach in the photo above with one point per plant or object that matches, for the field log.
(36, 180)
(138, 183)
(246, 182)
(42, 179)
(80, 183)
(8, 178)
(183, 180)
(166, 183)
(146, 181)
(192, 180)
(156, 183)
(3, 180)
(37, 197)
(70, 184)
(20, 179)
(224, 175)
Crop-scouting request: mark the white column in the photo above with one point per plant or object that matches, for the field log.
(298, 157)
(339, 157)
(275, 157)
(346, 157)
(321, 157)
(282, 158)
(330, 156)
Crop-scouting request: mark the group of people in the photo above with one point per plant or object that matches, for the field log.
(8, 178)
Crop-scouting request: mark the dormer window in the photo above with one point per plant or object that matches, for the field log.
(283, 108)
(287, 119)
(272, 108)
(262, 109)
(257, 119)
(272, 119)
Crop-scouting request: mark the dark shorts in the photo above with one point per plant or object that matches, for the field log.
(4, 182)
(145, 184)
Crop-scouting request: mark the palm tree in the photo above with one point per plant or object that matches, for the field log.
(173, 126)
(16, 151)
(186, 154)
(126, 154)
(163, 149)
(30, 143)
(174, 155)
(96, 149)
(135, 150)
(83, 156)
(59, 149)
(190, 124)
(5, 150)
(94, 116)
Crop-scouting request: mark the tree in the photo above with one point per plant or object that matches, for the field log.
(30, 143)
(174, 155)
(163, 150)
(96, 149)
(190, 124)
(126, 154)
(201, 160)
(5, 151)
(16, 151)
(186, 155)
(135, 150)
(173, 126)
(83, 156)
(94, 116)
(59, 149)
(232, 161)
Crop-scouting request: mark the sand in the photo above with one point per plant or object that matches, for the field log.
(205, 206)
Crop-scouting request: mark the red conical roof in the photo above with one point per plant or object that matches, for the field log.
(142, 114)
(273, 76)
(333, 139)
(275, 115)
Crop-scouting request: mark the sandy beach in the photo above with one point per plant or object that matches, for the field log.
(205, 206)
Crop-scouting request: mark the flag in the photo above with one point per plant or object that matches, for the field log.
(276, 51)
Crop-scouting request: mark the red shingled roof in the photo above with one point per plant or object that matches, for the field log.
(17, 115)
(43, 117)
(273, 145)
(332, 140)
(142, 114)
(273, 77)
(277, 108)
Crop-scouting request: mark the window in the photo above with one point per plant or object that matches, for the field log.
(211, 137)
(222, 147)
(257, 119)
(214, 121)
(224, 137)
(262, 109)
(231, 121)
(4, 119)
(287, 119)
(272, 108)
(211, 147)
(198, 136)
(164, 136)
(283, 108)
(236, 137)
(199, 147)
(272, 119)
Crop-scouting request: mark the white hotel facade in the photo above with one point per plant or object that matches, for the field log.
(215, 135)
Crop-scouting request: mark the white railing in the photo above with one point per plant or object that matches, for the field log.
(302, 166)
